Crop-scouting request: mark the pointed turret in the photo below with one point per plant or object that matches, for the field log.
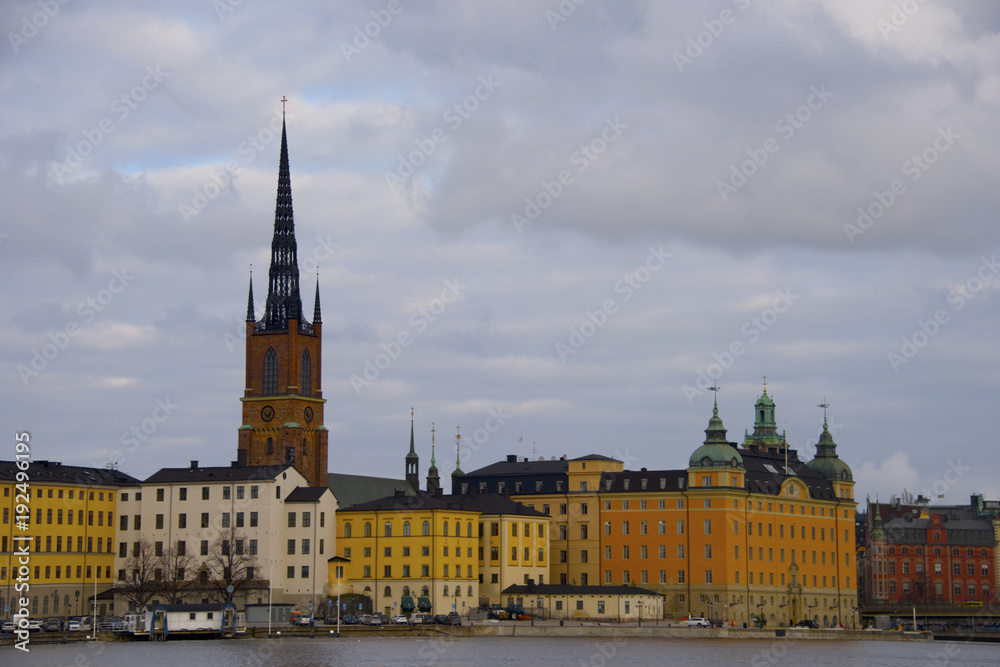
(317, 319)
(250, 314)
(412, 461)
(433, 479)
(457, 472)
(283, 300)
(826, 461)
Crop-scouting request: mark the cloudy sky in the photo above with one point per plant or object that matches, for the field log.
(578, 215)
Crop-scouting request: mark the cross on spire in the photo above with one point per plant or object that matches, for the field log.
(283, 100)
(824, 405)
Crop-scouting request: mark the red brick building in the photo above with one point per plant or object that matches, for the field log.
(283, 400)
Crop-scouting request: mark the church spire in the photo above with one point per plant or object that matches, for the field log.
(433, 479)
(250, 314)
(458, 456)
(283, 300)
(316, 316)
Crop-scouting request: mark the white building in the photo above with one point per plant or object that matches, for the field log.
(259, 529)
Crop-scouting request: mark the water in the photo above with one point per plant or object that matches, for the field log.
(596, 652)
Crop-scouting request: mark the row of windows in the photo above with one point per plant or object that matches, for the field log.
(908, 588)
(56, 516)
(626, 578)
(60, 573)
(425, 529)
(58, 544)
(206, 493)
(956, 551)
(224, 547)
(71, 494)
(956, 568)
(425, 571)
(45, 604)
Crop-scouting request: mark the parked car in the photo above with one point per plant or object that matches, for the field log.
(8, 626)
(417, 618)
(350, 619)
(34, 626)
(73, 626)
(806, 623)
(400, 620)
(697, 622)
(52, 625)
(428, 619)
(454, 618)
(300, 618)
(441, 619)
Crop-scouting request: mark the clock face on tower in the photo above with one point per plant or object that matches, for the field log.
(267, 413)
(309, 414)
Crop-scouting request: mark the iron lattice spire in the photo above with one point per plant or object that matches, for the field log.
(283, 300)
(316, 316)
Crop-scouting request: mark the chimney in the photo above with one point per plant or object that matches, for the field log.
(512, 458)
(241, 457)
(194, 464)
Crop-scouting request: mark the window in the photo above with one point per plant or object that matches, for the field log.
(182, 520)
(306, 519)
(159, 495)
(607, 527)
(624, 527)
(642, 527)
(607, 552)
(204, 519)
(204, 548)
(225, 519)
(270, 373)
(254, 490)
(426, 528)
(226, 493)
(708, 526)
(583, 532)
(406, 529)
(680, 527)
(305, 546)
(600, 606)
(625, 551)
(388, 529)
(291, 547)
(305, 386)
(663, 528)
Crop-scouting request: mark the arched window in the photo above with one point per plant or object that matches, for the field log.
(305, 449)
(270, 372)
(347, 529)
(446, 590)
(425, 591)
(34, 605)
(368, 529)
(426, 528)
(305, 388)
(388, 529)
(65, 602)
(468, 530)
(469, 592)
(406, 529)
(270, 446)
(445, 526)
(45, 604)
(406, 591)
(55, 603)
(387, 592)
(458, 591)
(458, 529)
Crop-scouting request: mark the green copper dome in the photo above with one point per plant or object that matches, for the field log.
(826, 462)
(716, 452)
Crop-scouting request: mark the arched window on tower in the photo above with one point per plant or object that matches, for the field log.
(270, 372)
(305, 387)
(270, 446)
(305, 450)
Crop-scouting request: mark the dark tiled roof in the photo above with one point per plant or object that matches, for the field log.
(761, 479)
(503, 468)
(595, 457)
(566, 589)
(306, 494)
(350, 490)
(483, 503)
(215, 474)
(54, 472)
(631, 480)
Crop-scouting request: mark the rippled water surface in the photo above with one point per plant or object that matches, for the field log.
(595, 652)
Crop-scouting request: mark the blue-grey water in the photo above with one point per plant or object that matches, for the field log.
(596, 652)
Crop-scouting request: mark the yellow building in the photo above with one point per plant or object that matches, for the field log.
(72, 529)
(742, 533)
(435, 553)
(622, 604)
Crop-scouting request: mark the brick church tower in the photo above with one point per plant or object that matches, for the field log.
(283, 400)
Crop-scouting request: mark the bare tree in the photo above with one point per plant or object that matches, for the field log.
(143, 569)
(231, 562)
(176, 568)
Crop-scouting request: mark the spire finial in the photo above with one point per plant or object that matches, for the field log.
(433, 431)
(411, 414)
(765, 384)
(283, 100)
(458, 447)
(716, 388)
(824, 405)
